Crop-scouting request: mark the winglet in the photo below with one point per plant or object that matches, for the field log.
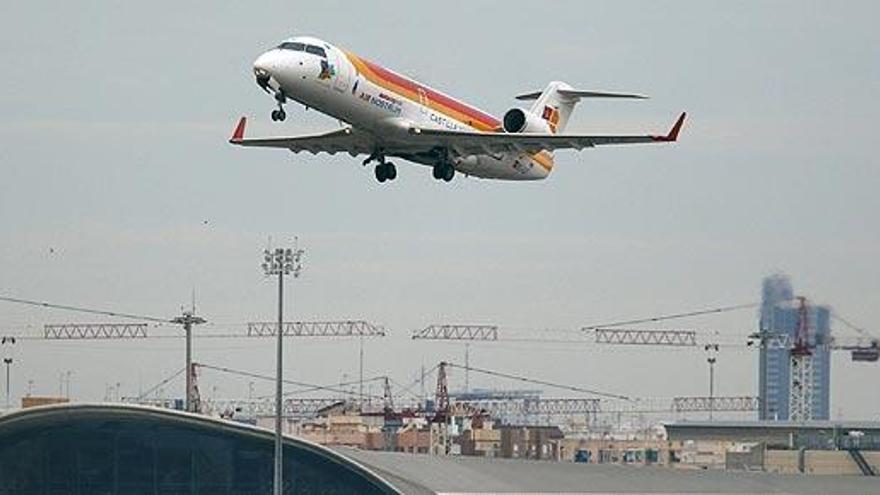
(673, 133)
(238, 135)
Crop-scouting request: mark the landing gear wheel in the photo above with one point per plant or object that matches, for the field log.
(390, 171)
(448, 173)
(278, 115)
(443, 171)
(386, 171)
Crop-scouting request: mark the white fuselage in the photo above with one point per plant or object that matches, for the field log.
(386, 105)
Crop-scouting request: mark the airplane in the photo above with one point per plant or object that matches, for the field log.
(390, 115)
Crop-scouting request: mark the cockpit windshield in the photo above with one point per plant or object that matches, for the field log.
(292, 45)
(302, 47)
(316, 50)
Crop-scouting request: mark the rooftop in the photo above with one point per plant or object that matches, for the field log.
(426, 474)
(770, 425)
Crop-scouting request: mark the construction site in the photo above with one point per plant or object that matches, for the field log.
(783, 428)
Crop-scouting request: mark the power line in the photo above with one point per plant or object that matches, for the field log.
(83, 310)
(324, 387)
(402, 390)
(161, 384)
(672, 316)
(310, 386)
(541, 382)
(848, 324)
(418, 381)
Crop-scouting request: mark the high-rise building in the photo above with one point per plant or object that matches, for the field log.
(780, 316)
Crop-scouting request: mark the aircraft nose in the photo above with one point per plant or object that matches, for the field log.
(264, 67)
(264, 64)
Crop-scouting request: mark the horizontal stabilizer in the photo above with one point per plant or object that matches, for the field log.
(575, 94)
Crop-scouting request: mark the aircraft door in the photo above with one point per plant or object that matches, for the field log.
(424, 103)
(342, 81)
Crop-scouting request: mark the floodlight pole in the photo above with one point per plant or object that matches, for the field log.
(280, 262)
(278, 391)
(712, 349)
(7, 362)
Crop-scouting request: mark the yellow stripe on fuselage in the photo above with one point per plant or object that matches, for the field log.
(454, 109)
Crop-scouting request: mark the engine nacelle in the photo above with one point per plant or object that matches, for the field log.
(519, 120)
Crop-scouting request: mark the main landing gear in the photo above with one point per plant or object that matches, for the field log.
(279, 115)
(443, 171)
(384, 170)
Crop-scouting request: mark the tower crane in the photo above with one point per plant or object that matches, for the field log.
(802, 377)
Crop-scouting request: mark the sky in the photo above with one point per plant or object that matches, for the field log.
(120, 192)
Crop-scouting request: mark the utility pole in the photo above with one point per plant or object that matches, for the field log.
(422, 380)
(442, 412)
(281, 261)
(188, 319)
(7, 360)
(467, 367)
(361, 376)
(712, 349)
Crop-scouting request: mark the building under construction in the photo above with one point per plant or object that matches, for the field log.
(782, 318)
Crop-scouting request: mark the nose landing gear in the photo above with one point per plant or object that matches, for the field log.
(279, 115)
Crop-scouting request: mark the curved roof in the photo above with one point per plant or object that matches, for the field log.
(65, 413)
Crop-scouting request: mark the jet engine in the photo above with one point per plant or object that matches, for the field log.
(519, 120)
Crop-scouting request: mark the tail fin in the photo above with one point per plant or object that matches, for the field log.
(557, 101)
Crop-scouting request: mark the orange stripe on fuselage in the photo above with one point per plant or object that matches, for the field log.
(435, 100)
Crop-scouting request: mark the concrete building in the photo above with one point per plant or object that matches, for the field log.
(480, 437)
(816, 447)
(414, 439)
(779, 316)
(530, 442)
(615, 451)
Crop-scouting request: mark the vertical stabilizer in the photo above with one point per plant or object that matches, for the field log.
(553, 107)
(558, 100)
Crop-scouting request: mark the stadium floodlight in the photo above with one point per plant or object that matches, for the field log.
(280, 262)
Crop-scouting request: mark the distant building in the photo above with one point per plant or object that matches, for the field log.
(31, 401)
(530, 442)
(779, 316)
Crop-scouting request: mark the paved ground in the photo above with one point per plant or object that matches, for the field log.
(423, 474)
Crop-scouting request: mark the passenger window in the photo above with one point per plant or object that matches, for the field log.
(316, 50)
(291, 45)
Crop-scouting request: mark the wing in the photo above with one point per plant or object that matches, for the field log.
(345, 140)
(471, 143)
(353, 142)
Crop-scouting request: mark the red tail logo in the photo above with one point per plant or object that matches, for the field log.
(551, 115)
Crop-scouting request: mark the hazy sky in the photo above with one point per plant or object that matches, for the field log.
(114, 124)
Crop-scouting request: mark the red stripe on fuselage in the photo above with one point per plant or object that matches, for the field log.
(432, 95)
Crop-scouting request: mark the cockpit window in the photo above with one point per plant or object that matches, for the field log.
(292, 45)
(316, 50)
